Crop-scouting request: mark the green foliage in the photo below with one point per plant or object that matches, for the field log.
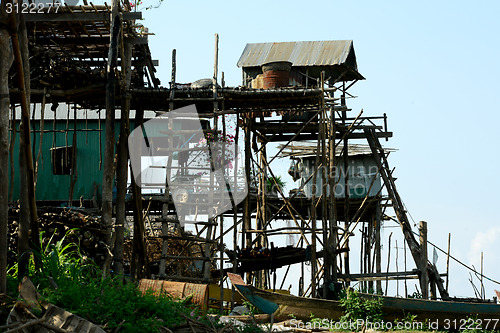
(252, 310)
(107, 302)
(314, 320)
(407, 319)
(356, 307)
(274, 182)
(63, 260)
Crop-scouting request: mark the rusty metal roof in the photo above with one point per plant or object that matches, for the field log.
(318, 53)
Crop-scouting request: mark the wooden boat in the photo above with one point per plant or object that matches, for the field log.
(448, 315)
(282, 305)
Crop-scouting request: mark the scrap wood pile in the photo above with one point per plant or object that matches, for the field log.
(57, 223)
(176, 247)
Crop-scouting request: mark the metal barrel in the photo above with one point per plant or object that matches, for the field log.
(276, 74)
(181, 290)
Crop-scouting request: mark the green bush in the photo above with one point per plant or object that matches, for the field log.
(109, 302)
(356, 307)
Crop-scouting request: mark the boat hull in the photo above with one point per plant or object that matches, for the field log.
(438, 314)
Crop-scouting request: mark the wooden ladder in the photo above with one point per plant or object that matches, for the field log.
(397, 203)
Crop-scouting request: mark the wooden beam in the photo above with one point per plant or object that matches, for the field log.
(86, 40)
(287, 137)
(74, 17)
(381, 276)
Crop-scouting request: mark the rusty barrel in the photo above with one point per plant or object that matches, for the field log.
(276, 74)
(181, 290)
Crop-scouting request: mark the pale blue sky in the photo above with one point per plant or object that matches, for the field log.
(432, 66)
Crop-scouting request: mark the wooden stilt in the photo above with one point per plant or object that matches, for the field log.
(28, 213)
(122, 161)
(424, 277)
(378, 246)
(109, 145)
(139, 264)
(6, 58)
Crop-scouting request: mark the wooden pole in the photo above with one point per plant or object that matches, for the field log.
(246, 237)
(388, 263)
(74, 174)
(140, 264)
(313, 210)
(172, 81)
(378, 245)
(109, 145)
(481, 279)
(333, 236)
(406, 285)
(345, 161)
(11, 150)
(28, 199)
(6, 58)
(213, 220)
(397, 268)
(324, 193)
(448, 262)
(122, 161)
(424, 277)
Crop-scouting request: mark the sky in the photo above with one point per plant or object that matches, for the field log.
(431, 66)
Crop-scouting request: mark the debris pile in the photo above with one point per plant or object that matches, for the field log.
(176, 248)
(57, 223)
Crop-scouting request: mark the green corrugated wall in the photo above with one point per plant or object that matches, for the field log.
(88, 171)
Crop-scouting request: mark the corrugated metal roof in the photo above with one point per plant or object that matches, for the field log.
(318, 53)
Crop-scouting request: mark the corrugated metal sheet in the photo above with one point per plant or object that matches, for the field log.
(89, 175)
(318, 53)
